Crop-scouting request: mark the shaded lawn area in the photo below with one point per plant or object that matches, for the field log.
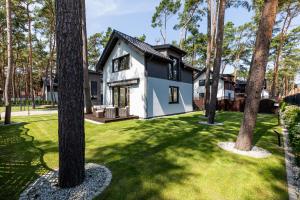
(167, 158)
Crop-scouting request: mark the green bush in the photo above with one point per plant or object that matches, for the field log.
(282, 106)
(291, 118)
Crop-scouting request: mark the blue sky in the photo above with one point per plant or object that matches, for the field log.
(133, 17)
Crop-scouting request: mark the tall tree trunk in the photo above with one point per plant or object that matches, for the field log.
(70, 92)
(208, 59)
(284, 29)
(87, 93)
(257, 74)
(30, 56)
(8, 81)
(217, 63)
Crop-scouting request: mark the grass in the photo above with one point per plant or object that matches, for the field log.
(167, 158)
(38, 107)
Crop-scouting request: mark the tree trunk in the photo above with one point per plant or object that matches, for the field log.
(8, 81)
(208, 59)
(70, 92)
(257, 75)
(87, 93)
(30, 57)
(217, 62)
(284, 29)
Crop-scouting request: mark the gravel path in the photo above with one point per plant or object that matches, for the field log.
(292, 171)
(256, 152)
(97, 178)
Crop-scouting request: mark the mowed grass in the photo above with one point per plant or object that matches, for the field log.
(38, 107)
(167, 158)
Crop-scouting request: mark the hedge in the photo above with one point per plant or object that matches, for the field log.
(291, 118)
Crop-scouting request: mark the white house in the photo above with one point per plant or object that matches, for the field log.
(225, 86)
(151, 80)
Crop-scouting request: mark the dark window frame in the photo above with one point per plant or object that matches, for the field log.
(93, 97)
(127, 96)
(171, 89)
(119, 59)
(171, 69)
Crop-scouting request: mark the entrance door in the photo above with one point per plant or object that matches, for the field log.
(121, 96)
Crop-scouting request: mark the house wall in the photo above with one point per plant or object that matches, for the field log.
(136, 70)
(201, 89)
(159, 69)
(96, 77)
(158, 97)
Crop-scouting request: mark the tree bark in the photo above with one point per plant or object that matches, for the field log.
(257, 75)
(87, 93)
(217, 62)
(70, 92)
(8, 81)
(208, 59)
(30, 56)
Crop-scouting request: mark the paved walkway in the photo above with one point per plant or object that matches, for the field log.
(31, 112)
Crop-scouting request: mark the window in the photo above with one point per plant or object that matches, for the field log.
(174, 69)
(201, 95)
(121, 96)
(202, 82)
(121, 63)
(173, 94)
(94, 89)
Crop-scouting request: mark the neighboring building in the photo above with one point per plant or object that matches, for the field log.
(240, 89)
(151, 80)
(225, 86)
(95, 80)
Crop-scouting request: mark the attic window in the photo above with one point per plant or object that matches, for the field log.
(121, 63)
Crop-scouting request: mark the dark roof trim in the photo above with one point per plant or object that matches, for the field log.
(170, 46)
(190, 67)
(138, 45)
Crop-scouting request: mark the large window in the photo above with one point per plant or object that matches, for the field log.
(174, 69)
(121, 63)
(121, 96)
(94, 89)
(173, 94)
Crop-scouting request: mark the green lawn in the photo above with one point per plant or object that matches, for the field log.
(17, 108)
(168, 158)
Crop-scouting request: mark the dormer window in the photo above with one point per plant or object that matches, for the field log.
(174, 69)
(121, 63)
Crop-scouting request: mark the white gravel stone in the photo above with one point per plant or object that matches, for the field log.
(214, 124)
(97, 178)
(256, 152)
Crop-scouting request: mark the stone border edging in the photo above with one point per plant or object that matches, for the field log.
(292, 171)
(97, 179)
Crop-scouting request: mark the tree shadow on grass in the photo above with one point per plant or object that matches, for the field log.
(152, 159)
(20, 161)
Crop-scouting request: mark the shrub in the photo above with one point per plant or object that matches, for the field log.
(291, 118)
(282, 106)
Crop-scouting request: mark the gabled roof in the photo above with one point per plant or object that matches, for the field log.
(222, 76)
(142, 47)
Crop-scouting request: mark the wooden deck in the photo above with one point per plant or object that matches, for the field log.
(108, 120)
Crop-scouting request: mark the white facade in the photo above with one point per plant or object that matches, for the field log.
(150, 97)
(222, 93)
(136, 70)
(158, 97)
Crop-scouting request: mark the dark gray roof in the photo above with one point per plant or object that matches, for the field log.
(143, 46)
(134, 42)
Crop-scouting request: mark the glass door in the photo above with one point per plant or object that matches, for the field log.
(121, 96)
